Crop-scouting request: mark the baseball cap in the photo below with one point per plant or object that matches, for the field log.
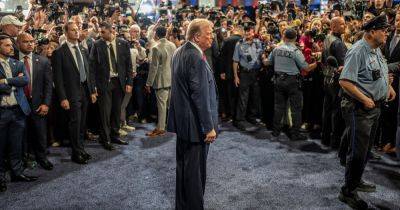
(10, 20)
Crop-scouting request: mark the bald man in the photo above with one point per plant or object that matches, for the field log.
(333, 124)
(38, 92)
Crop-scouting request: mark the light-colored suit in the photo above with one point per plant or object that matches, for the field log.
(160, 65)
(160, 77)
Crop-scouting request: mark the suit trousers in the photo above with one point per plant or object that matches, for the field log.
(110, 110)
(124, 105)
(77, 121)
(37, 135)
(361, 125)
(333, 123)
(12, 128)
(162, 96)
(191, 164)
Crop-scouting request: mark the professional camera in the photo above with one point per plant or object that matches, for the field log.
(43, 41)
(359, 8)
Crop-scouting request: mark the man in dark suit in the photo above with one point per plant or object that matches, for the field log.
(38, 93)
(226, 57)
(193, 114)
(13, 111)
(111, 63)
(73, 84)
(390, 113)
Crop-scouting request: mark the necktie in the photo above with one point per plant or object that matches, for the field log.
(81, 67)
(393, 43)
(28, 88)
(112, 58)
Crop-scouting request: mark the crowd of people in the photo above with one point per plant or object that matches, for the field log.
(73, 73)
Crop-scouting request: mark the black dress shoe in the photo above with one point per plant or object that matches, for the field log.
(87, 156)
(46, 164)
(365, 187)
(352, 199)
(79, 159)
(119, 141)
(108, 146)
(3, 186)
(23, 178)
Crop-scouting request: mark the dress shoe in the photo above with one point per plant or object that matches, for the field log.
(352, 199)
(79, 159)
(86, 155)
(298, 137)
(119, 141)
(23, 178)
(240, 125)
(156, 132)
(275, 133)
(365, 187)
(46, 164)
(108, 146)
(3, 186)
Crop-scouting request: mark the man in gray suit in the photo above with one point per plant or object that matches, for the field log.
(193, 114)
(160, 77)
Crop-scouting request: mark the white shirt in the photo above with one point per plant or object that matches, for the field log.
(136, 55)
(114, 46)
(21, 58)
(197, 47)
(71, 48)
(8, 100)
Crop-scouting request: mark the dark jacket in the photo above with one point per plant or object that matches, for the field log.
(66, 74)
(100, 66)
(194, 103)
(42, 81)
(226, 56)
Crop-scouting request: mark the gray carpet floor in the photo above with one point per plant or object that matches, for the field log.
(245, 171)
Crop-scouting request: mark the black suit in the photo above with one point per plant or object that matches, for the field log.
(41, 93)
(388, 120)
(69, 87)
(110, 89)
(226, 66)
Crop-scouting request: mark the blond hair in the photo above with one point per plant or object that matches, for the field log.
(196, 26)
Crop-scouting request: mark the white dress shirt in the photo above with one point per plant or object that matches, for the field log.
(114, 46)
(21, 58)
(71, 48)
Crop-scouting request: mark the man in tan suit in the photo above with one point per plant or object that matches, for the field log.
(160, 77)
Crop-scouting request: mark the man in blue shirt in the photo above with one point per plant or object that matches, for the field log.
(246, 65)
(364, 80)
(288, 61)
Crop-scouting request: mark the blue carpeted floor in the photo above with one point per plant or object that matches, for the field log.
(245, 171)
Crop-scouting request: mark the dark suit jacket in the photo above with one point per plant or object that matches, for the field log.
(193, 110)
(42, 81)
(66, 74)
(395, 56)
(18, 82)
(100, 66)
(226, 56)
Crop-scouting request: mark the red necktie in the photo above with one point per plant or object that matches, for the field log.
(28, 88)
